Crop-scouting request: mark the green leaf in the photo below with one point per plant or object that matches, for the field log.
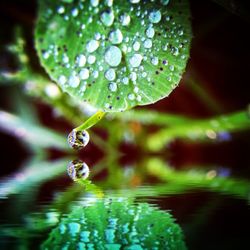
(114, 55)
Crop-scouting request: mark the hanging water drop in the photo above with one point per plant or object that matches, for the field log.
(78, 139)
(78, 170)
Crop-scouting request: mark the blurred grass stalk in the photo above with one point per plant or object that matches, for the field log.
(31, 133)
(216, 128)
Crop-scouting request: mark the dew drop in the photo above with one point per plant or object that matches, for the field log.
(78, 170)
(155, 60)
(110, 74)
(98, 36)
(94, 3)
(147, 43)
(95, 74)
(125, 80)
(65, 59)
(115, 36)
(171, 67)
(113, 56)
(92, 46)
(60, 10)
(135, 60)
(109, 3)
(125, 19)
(150, 32)
(136, 89)
(46, 55)
(91, 59)
(133, 76)
(62, 80)
(134, 1)
(74, 81)
(138, 98)
(78, 139)
(113, 87)
(155, 16)
(107, 18)
(131, 97)
(74, 12)
(81, 60)
(84, 74)
(136, 46)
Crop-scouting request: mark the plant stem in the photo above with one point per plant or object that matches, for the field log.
(94, 119)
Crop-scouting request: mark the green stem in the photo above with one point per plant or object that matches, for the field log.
(94, 119)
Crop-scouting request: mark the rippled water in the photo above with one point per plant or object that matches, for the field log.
(212, 214)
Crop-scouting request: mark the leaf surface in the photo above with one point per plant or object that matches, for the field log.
(114, 54)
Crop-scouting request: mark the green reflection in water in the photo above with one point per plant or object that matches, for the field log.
(116, 224)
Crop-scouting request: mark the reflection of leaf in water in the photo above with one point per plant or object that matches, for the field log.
(116, 224)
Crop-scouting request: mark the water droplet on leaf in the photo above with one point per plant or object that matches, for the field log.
(150, 32)
(110, 74)
(115, 36)
(107, 18)
(92, 46)
(112, 86)
(113, 56)
(135, 60)
(125, 19)
(155, 16)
